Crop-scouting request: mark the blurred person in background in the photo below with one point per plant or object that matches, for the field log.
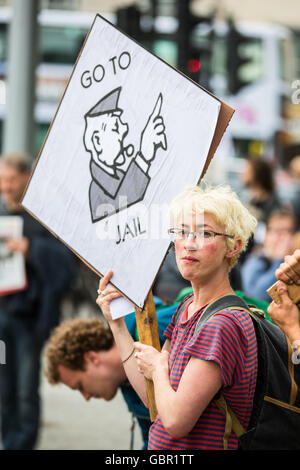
(293, 195)
(82, 354)
(258, 270)
(28, 315)
(258, 179)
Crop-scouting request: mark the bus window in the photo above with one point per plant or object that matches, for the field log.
(39, 136)
(219, 56)
(287, 56)
(61, 45)
(3, 42)
(58, 45)
(297, 53)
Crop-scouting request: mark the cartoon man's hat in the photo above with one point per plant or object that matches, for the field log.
(107, 104)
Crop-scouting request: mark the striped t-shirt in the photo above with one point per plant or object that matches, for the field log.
(229, 339)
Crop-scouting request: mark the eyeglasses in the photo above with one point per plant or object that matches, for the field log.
(203, 236)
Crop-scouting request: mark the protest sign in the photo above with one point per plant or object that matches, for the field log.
(130, 133)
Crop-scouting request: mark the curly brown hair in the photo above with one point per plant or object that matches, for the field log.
(71, 340)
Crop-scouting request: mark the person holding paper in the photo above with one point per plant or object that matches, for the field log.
(27, 315)
(210, 228)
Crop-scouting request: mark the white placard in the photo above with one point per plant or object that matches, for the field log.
(130, 133)
(120, 307)
(12, 264)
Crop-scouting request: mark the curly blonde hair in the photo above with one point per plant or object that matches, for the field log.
(71, 340)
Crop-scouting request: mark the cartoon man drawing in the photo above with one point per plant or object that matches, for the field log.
(113, 188)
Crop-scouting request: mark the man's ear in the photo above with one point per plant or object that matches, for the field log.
(96, 140)
(235, 250)
(92, 357)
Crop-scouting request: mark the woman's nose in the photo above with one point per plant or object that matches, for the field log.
(190, 242)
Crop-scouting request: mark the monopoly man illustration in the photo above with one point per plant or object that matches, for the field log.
(113, 187)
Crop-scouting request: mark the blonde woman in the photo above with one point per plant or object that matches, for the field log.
(210, 228)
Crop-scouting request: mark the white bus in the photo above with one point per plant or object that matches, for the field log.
(262, 103)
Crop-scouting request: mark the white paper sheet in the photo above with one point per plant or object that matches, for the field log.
(12, 264)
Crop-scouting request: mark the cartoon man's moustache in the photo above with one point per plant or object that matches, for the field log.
(125, 152)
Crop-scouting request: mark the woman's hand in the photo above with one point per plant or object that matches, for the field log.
(106, 295)
(149, 360)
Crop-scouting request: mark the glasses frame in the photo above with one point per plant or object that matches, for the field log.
(194, 234)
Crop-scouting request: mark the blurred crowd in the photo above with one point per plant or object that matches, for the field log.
(277, 234)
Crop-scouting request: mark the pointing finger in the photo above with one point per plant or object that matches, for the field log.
(157, 107)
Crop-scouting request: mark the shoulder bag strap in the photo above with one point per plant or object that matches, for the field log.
(231, 420)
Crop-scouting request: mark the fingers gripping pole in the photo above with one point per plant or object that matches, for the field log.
(293, 291)
(147, 326)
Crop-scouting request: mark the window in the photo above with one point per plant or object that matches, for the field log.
(61, 45)
(3, 41)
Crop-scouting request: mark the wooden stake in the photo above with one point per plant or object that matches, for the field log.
(147, 326)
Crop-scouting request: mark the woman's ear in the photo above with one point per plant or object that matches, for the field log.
(235, 250)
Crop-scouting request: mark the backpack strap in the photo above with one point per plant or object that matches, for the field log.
(231, 421)
(227, 301)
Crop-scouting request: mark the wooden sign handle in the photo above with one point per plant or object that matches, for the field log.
(147, 327)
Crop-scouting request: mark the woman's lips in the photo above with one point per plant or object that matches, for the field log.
(189, 259)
